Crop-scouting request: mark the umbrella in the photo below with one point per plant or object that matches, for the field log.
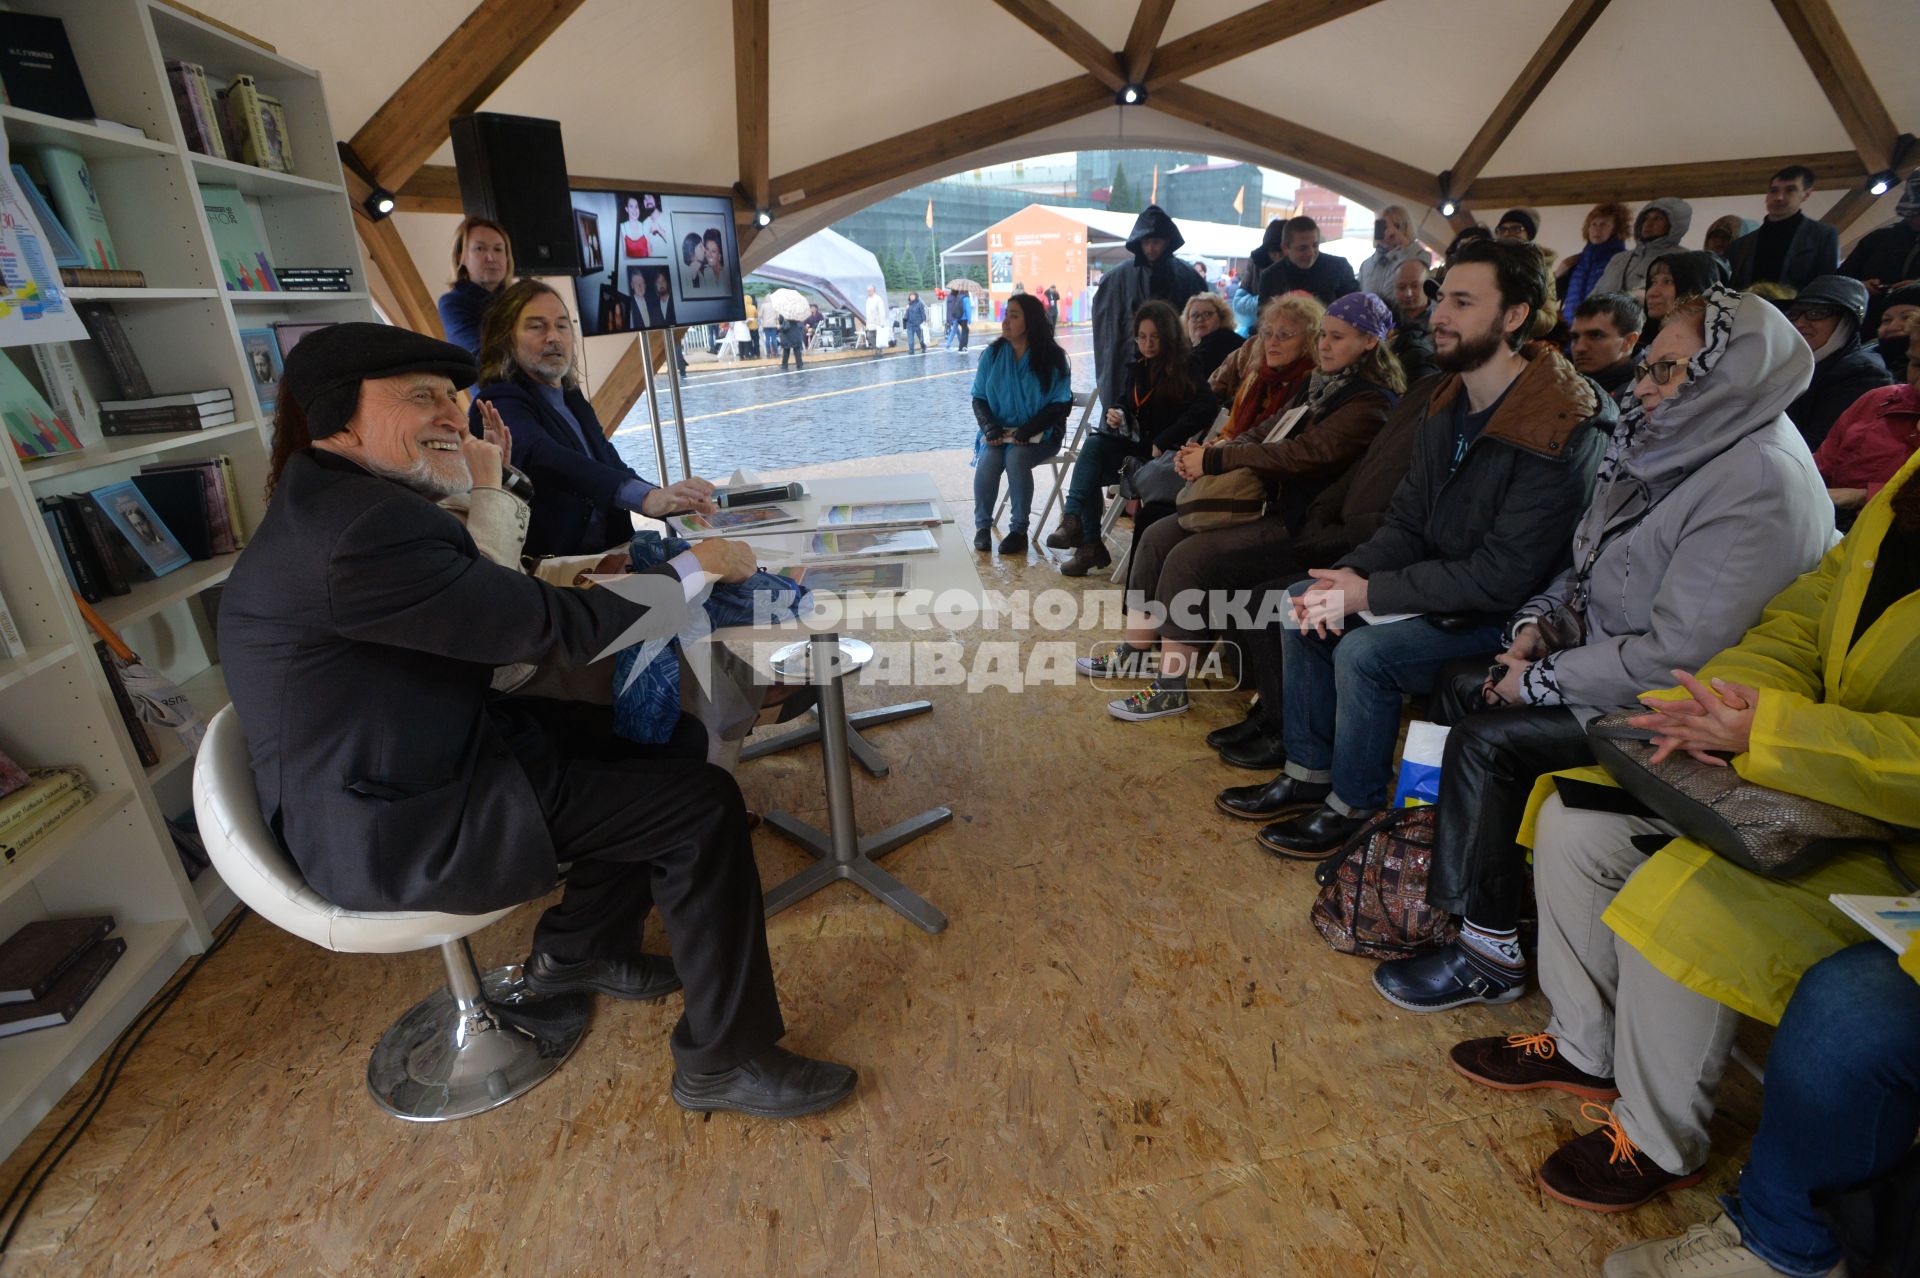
(965, 285)
(156, 699)
(787, 304)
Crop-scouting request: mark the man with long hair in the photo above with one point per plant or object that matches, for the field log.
(584, 494)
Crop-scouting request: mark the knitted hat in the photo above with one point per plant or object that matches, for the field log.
(325, 370)
(1365, 312)
(1526, 217)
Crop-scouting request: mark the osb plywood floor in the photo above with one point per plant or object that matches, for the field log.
(1129, 1054)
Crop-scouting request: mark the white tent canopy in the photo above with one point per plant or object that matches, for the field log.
(831, 265)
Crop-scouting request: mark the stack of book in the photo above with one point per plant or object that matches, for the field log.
(254, 126)
(315, 279)
(28, 814)
(165, 517)
(164, 414)
(49, 969)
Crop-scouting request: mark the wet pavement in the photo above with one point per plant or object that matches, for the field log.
(762, 418)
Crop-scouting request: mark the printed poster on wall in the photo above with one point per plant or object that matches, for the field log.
(33, 307)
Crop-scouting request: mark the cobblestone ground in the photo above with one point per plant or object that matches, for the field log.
(765, 419)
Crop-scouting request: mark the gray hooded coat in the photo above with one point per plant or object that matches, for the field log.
(1703, 511)
(1627, 272)
(1123, 290)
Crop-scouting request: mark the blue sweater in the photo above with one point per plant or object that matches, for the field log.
(461, 309)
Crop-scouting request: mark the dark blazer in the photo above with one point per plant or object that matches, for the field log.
(358, 634)
(570, 488)
(462, 308)
(1814, 251)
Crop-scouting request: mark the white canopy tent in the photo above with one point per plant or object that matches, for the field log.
(831, 265)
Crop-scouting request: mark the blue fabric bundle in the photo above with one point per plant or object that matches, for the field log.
(647, 706)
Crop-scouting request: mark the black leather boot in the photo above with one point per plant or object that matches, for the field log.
(1238, 733)
(1263, 753)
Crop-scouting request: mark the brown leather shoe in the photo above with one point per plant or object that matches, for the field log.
(1067, 535)
(1605, 1171)
(1524, 1062)
(1085, 559)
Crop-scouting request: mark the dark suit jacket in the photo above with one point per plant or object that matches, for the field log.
(1814, 251)
(358, 634)
(569, 487)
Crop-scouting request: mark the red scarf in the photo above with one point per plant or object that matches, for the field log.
(1264, 394)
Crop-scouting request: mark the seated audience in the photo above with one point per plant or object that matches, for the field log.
(1829, 313)
(1722, 232)
(1329, 421)
(1606, 332)
(1672, 277)
(1209, 323)
(1890, 344)
(1022, 397)
(1397, 246)
(1347, 512)
(1657, 231)
(584, 494)
(1888, 258)
(482, 265)
(1649, 963)
(1517, 226)
(1303, 268)
(1412, 342)
(1705, 507)
(1840, 1111)
(1501, 470)
(359, 632)
(1603, 239)
(1872, 440)
(1789, 247)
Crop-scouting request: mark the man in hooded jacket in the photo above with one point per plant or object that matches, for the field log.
(1155, 275)
(1657, 231)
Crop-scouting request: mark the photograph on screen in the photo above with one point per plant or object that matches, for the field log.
(639, 271)
(600, 297)
(651, 288)
(588, 225)
(643, 237)
(706, 262)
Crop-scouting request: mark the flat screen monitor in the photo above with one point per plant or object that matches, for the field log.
(653, 259)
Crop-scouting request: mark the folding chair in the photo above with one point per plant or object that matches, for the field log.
(1062, 463)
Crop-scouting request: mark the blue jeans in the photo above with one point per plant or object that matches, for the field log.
(1016, 461)
(1098, 466)
(914, 336)
(1343, 693)
(1841, 1106)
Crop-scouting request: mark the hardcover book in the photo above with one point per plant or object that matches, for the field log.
(263, 364)
(35, 429)
(70, 189)
(144, 530)
(65, 252)
(38, 67)
(244, 261)
(33, 958)
(110, 337)
(68, 995)
(43, 786)
(17, 838)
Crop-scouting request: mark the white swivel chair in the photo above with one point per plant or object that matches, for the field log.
(476, 1043)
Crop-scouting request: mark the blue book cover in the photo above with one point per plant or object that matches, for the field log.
(65, 251)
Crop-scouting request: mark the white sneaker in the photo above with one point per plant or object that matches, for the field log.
(1151, 702)
(1711, 1250)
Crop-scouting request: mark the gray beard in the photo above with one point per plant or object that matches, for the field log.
(421, 479)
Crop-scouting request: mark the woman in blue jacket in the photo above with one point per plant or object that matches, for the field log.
(1022, 397)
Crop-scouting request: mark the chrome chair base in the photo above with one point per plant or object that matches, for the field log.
(472, 1045)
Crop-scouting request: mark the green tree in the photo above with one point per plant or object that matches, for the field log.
(890, 267)
(1120, 194)
(910, 276)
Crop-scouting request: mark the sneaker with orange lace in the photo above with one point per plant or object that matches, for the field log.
(1523, 1062)
(1605, 1171)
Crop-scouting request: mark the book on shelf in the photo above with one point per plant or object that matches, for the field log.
(263, 365)
(43, 787)
(327, 273)
(133, 516)
(723, 522)
(258, 121)
(66, 388)
(848, 578)
(88, 277)
(117, 574)
(210, 474)
(12, 775)
(194, 103)
(136, 730)
(881, 514)
(38, 67)
(245, 264)
(165, 414)
(11, 644)
(859, 543)
(68, 183)
(58, 535)
(236, 518)
(68, 995)
(17, 839)
(66, 254)
(109, 336)
(34, 957)
(1894, 921)
(180, 499)
(33, 426)
(308, 286)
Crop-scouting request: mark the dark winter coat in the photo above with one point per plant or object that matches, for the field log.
(1322, 447)
(570, 487)
(1328, 279)
(1813, 251)
(1169, 280)
(1838, 380)
(1351, 509)
(1412, 344)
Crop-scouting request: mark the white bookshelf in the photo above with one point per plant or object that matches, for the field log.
(115, 855)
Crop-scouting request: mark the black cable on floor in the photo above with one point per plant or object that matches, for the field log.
(28, 1186)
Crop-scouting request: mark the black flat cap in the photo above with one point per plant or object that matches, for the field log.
(325, 370)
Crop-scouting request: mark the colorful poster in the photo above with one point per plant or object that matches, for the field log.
(33, 307)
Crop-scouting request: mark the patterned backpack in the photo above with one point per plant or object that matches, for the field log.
(1373, 895)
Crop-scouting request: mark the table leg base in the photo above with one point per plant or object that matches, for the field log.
(860, 869)
(864, 751)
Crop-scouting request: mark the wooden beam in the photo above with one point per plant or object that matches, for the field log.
(1834, 64)
(1688, 181)
(1051, 23)
(412, 302)
(750, 96)
(937, 143)
(1149, 21)
(1295, 141)
(455, 79)
(435, 188)
(1235, 37)
(1527, 87)
(212, 21)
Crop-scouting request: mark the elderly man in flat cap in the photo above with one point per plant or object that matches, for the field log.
(358, 633)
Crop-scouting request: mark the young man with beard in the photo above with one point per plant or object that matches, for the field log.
(1502, 468)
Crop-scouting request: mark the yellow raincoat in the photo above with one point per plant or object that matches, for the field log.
(1836, 721)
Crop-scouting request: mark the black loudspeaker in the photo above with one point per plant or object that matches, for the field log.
(514, 171)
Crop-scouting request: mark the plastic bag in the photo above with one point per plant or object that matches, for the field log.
(1420, 766)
